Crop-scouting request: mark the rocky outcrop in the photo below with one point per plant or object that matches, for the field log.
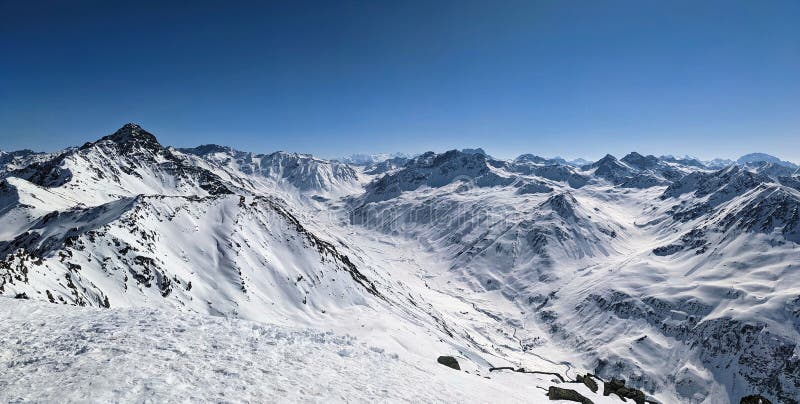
(557, 393)
(448, 361)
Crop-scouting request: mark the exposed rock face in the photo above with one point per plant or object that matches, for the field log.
(589, 381)
(754, 399)
(449, 361)
(617, 387)
(557, 393)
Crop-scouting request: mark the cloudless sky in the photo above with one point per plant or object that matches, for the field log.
(562, 77)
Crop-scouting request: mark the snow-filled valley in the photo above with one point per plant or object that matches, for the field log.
(212, 274)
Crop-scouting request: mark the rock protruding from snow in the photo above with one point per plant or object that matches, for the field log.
(449, 361)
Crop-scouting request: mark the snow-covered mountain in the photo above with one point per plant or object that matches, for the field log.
(292, 172)
(764, 158)
(360, 159)
(672, 274)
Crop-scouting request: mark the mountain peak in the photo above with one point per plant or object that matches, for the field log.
(205, 149)
(608, 160)
(639, 161)
(128, 135)
(129, 132)
(763, 157)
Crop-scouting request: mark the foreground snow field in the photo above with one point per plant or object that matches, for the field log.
(57, 353)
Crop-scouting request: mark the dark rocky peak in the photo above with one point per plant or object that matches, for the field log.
(607, 161)
(530, 158)
(563, 204)
(129, 137)
(207, 149)
(474, 151)
(423, 160)
(558, 160)
(641, 162)
(687, 161)
(609, 168)
(452, 155)
(450, 158)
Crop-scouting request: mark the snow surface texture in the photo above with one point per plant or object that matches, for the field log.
(55, 354)
(678, 277)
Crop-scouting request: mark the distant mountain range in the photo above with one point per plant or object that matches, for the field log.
(679, 276)
(751, 158)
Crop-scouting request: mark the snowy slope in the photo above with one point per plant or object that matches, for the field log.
(87, 355)
(222, 255)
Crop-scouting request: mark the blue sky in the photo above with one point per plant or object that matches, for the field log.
(569, 78)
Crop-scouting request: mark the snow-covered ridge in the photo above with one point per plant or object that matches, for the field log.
(360, 159)
(302, 172)
(764, 158)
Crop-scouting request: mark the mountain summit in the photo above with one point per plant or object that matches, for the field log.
(129, 136)
(763, 157)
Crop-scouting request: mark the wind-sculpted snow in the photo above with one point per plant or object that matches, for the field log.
(530, 274)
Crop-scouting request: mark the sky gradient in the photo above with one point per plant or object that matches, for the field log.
(567, 78)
